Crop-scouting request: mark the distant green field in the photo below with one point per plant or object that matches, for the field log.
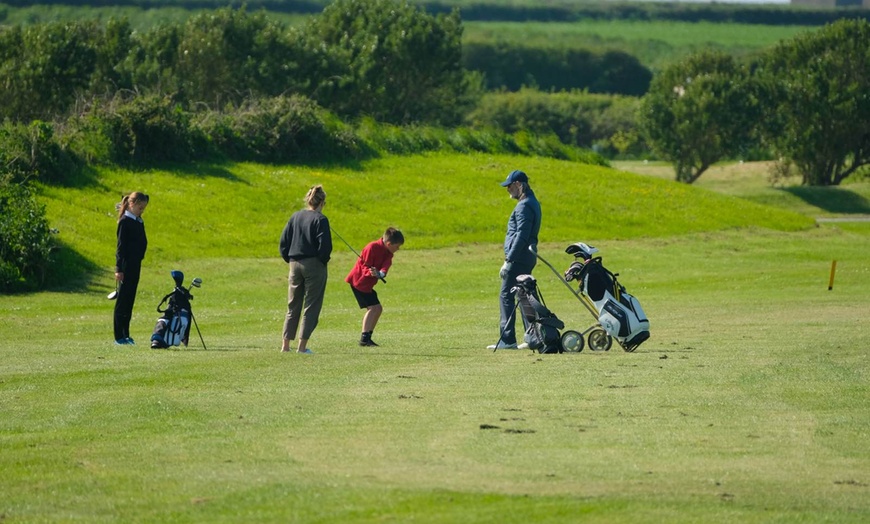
(655, 43)
(748, 404)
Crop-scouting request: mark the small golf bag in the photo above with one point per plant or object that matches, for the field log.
(619, 313)
(542, 333)
(173, 328)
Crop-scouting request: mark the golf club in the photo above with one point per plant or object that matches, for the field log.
(352, 249)
(114, 294)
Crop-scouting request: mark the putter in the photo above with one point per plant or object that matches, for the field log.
(352, 249)
(114, 294)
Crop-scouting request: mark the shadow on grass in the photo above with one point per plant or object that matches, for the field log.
(71, 272)
(832, 199)
(87, 176)
(68, 272)
(202, 169)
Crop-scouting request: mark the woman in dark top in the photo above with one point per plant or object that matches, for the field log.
(132, 245)
(306, 245)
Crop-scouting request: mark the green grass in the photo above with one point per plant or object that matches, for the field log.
(748, 404)
(751, 181)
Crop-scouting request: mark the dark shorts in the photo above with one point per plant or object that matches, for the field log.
(365, 300)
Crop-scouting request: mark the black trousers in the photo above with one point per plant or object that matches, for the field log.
(126, 298)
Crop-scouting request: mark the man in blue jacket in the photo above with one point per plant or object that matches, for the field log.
(522, 232)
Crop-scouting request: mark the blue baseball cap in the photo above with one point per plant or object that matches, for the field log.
(515, 176)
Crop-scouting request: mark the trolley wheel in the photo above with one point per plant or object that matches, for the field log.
(599, 340)
(572, 341)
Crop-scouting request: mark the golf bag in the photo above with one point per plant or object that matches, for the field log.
(619, 313)
(173, 328)
(542, 333)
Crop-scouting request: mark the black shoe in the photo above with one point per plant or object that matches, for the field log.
(367, 343)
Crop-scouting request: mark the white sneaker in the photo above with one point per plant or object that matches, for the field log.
(502, 345)
(523, 345)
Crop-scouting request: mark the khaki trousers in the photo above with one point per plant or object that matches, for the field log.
(307, 285)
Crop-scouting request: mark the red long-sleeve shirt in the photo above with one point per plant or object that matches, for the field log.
(376, 255)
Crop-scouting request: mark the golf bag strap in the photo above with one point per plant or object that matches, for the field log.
(163, 302)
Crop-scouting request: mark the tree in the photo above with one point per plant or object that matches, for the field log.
(45, 67)
(698, 112)
(228, 55)
(388, 60)
(818, 90)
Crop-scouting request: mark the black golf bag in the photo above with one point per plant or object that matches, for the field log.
(173, 328)
(542, 333)
(619, 313)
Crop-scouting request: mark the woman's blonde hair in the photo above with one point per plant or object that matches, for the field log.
(133, 198)
(315, 196)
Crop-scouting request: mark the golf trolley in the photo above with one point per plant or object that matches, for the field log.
(173, 328)
(617, 314)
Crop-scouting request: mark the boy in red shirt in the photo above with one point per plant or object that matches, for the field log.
(372, 265)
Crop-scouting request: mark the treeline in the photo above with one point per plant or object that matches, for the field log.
(567, 11)
(513, 65)
(374, 58)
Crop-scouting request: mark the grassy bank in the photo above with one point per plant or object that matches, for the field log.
(437, 200)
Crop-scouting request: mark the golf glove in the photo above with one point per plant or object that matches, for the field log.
(381, 274)
(503, 273)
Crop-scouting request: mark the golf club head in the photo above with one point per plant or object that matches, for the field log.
(114, 294)
(196, 282)
(581, 250)
(533, 248)
(177, 276)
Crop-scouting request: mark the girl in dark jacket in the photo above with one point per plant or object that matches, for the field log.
(132, 244)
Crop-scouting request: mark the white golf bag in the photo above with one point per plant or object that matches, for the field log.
(172, 330)
(619, 313)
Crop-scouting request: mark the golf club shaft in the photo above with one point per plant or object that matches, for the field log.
(352, 249)
(562, 279)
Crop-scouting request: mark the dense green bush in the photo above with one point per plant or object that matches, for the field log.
(380, 58)
(389, 139)
(25, 238)
(387, 60)
(150, 129)
(31, 152)
(281, 129)
(603, 122)
(44, 67)
(511, 65)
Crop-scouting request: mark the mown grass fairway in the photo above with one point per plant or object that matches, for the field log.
(748, 404)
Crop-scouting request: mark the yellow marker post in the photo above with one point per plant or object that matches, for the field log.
(833, 270)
